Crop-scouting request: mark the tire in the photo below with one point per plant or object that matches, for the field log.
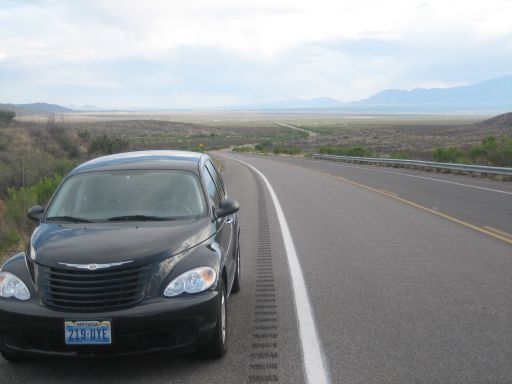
(217, 347)
(236, 282)
(13, 357)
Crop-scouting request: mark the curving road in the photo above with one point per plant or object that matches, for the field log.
(404, 282)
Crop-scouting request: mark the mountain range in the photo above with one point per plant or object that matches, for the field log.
(489, 95)
(493, 95)
(35, 108)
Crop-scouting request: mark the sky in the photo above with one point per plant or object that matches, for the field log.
(193, 54)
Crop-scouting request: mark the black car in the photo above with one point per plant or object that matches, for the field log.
(135, 252)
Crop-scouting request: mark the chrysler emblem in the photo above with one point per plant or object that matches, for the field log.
(93, 267)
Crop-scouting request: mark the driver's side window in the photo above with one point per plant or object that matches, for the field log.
(210, 186)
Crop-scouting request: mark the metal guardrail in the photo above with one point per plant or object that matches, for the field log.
(420, 164)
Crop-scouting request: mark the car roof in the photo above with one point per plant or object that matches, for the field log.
(157, 159)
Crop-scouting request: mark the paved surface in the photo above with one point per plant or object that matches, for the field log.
(399, 295)
(479, 201)
(311, 135)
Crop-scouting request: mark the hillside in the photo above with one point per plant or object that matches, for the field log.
(35, 108)
(504, 120)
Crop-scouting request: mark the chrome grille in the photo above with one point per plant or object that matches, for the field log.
(98, 290)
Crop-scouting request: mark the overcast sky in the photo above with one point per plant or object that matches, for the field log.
(162, 53)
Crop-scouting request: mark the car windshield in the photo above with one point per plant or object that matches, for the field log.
(145, 195)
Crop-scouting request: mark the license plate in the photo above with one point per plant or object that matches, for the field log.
(88, 332)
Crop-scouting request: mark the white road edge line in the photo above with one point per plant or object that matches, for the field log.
(314, 362)
(405, 174)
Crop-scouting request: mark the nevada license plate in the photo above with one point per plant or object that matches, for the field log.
(88, 332)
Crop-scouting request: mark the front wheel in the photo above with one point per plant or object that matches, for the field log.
(217, 347)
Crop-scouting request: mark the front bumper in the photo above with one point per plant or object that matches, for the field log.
(180, 323)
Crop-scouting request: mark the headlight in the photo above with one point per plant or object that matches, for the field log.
(12, 286)
(193, 281)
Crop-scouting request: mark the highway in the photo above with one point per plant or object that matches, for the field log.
(407, 277)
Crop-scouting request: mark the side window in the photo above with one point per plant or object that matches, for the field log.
(216, 178)
(210, 185)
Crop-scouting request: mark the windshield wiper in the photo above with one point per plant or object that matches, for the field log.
(69, 218)
(139, 218)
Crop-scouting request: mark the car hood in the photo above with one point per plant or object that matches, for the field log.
(101, 243)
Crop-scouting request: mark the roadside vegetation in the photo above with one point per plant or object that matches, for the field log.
(34, 156)
(491, 151)
(6, 117)
(267, 147)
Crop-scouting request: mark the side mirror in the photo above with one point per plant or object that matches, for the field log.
(226, 208)
(35, 213)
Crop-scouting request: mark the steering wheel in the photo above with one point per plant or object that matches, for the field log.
(171, 203)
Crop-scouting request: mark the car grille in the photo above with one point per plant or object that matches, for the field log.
(98, 290)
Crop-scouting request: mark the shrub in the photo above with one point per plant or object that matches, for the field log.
(68, 146)
(106, 145)
(4, 143)
(84, 134)
(490, 151)
(6, 117)
(9, 239)
(398, 156)
(19, 200)
(358, 151)
(264, 146)
(448, 155)
(198, 148)
(242, 149)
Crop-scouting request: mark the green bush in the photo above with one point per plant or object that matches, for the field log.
(492, 151)
(7, 116)
(106, 145)
(264, 146)
(449, 155)
(19, 200)
(198, 148)
(286, 150)
(4, 143)
(69, 147)
(268, 146)
(84, 134)
(9, 239)
(398, 156)
(357, 151)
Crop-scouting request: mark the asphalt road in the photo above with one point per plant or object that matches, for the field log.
(398, 294)
(479, 201)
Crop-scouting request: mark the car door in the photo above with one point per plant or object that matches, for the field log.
(225, 225)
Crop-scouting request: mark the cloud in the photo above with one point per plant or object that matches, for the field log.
(207, 53)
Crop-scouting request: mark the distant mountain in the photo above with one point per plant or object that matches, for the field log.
(44, 107)
(85, 108)
(495, 94)
(35, 108)
(504, 120)
(316, 103)
(491, 95)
